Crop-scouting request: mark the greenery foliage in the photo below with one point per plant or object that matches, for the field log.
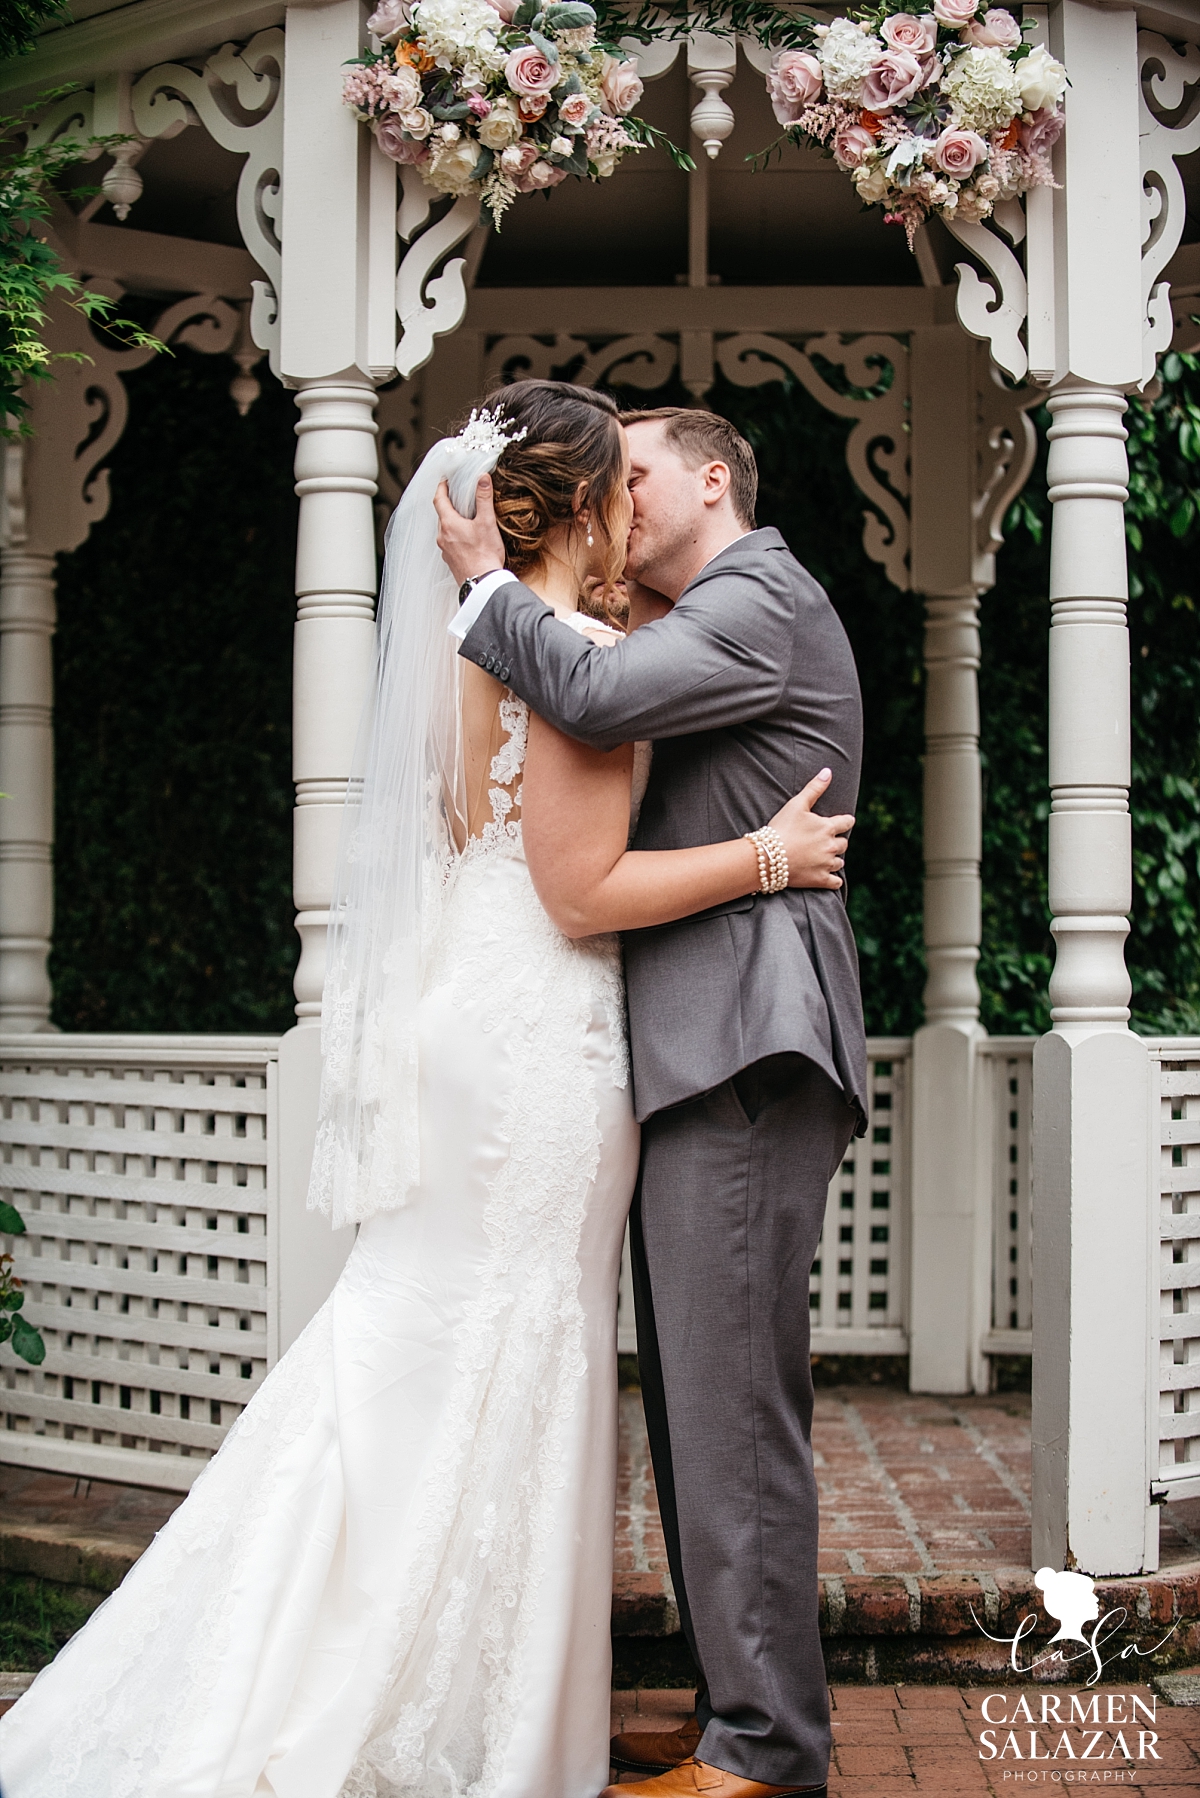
(31, 272)
(21, 20)
(38, 1617)
(174, 674)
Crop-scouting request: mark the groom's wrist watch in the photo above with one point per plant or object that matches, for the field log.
(471, 582)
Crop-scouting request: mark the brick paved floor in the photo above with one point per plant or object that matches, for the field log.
(908, 1485)
(927, 1741)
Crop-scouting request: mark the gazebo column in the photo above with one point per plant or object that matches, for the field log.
(1092, 1198)
(951, 1224)
(27, 618)
(335, 254)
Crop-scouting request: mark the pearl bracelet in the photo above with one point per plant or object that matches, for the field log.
(773, 870)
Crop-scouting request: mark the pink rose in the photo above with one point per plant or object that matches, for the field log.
(852, 145)
(576, 109)
(958, 153)
(528, 72)
(891, 80)
(793, 83)
(479, 106)
(955, 13)
(538, 175)
(997, 30)
(506, 8)
(905, 31)
(1042, 132)
(389, 19)
(393, 143)
(620, 86)
(519, 157)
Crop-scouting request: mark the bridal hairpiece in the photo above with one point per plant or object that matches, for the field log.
(489, 433)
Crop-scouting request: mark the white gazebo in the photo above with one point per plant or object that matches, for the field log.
(1009, 1195)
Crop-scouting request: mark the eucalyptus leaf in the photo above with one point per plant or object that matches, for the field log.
(525, 13)
(452, 113)
(548, 50)
(483, 167)
(571, 15)
(27, 1342)
(11, 1221)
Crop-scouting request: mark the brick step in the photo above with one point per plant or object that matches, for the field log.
(925, 1628)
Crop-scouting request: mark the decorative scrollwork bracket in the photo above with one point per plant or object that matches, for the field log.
(236, 99)
(994, 313)
(1170, 128)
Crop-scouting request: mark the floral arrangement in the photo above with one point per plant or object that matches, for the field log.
(947, 111)
(498, 97)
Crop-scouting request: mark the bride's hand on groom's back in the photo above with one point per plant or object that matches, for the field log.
(816, 846)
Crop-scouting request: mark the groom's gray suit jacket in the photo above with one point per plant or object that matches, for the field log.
(748, 688)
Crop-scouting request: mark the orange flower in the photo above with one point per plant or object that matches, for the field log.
(1011, 136)
(870, 122)
(416, 58)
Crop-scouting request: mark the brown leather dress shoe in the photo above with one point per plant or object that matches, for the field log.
(696, 1779)
(652, 1750)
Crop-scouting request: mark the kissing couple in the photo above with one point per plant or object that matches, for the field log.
(394, 1580)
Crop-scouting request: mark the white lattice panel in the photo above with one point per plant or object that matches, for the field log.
(1177, 1072)
(858, 1291)
(144, 1169)
(1007, 1062)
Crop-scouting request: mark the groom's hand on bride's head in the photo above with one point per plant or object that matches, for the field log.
(469, 546)
(816, 846)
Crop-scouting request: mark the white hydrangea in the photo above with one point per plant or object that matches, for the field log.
(458, 31)
(981, 85)
(846, 51)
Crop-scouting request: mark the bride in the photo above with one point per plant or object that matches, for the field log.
(395, 1577)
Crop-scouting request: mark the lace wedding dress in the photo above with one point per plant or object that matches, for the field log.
(395, 1577)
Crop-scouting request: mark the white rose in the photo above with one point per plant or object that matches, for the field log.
(560, 146)
(1042, 81)
(450, 133)
(501, 127)
(871, 183)
(418, 122)
(604, 162)
(452, 166)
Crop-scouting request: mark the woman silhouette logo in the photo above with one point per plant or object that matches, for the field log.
(1071, 1599)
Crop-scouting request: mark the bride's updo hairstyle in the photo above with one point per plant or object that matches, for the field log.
(572, 437)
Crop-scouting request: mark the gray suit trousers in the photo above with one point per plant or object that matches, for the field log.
(725, 1225)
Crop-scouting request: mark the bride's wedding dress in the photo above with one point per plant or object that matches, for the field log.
(395, 1577)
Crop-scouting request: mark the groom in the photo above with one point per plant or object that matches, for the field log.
(749, 1065)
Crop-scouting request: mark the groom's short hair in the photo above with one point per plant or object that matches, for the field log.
(697, 437)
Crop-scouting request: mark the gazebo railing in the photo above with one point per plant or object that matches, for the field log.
(1006, 1110)
(145, 1171)
(1175, 1419)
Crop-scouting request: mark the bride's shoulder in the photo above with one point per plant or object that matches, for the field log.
(597, 629)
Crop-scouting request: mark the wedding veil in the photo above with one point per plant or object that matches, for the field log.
(394, 851)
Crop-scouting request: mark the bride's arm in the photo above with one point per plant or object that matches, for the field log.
(575, 825)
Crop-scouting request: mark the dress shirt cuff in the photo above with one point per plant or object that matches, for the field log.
(476, 599)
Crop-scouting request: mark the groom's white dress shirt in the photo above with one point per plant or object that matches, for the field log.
(476, 599)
